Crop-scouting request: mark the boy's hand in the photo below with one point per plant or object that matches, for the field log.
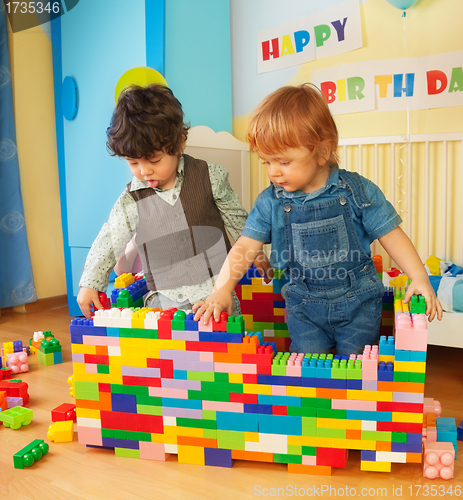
(217, 302)
(424, 288)
(262, 264)
(85, 299)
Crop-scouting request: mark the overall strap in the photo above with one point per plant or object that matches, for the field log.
(354, 182)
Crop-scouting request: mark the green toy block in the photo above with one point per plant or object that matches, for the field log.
(30, 453)
(48, 346)
(16, 417)
(418, 304)
(235, 324)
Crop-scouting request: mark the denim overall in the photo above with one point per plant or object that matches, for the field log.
(334, 296)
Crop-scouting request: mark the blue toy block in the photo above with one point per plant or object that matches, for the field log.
(191, 404)
(223, 337)
(121, 443)
(368, 455)
(279, 424)
(57, 357)
(190, 324)
(259, 408)
(354, 384)
(218, 457)
(386, 346)
(228, 421)
(401, 355)
(385, 371)
(418, 356)
(76, 338)
(126, 403)
(17, 345)
(379, 416)
(267, 399)
(460, 431)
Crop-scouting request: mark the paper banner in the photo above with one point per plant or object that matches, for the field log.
(331, 32)
(394, 84)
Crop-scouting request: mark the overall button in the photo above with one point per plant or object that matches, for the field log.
(176, 216)
(342, 200)
(189, 262)
(287, 208)
(366, 268)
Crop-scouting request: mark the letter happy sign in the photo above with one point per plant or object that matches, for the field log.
(331, 32)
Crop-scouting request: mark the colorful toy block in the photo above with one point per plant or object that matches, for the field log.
(15, 388)
(29, 454)
(16, 417)
(438, 460)
(153, 383)
(18, 362)
(61, 432)
(63, 412)
(460, 432)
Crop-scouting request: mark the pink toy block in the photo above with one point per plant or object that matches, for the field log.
(370, 363)
(278, 390)
(411, 332)
(438, 460)
(223, 406)
(90, 435)
(18, 362)
(153, 451)
(430, 405)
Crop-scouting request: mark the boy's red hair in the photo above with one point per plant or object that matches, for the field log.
(292, 117)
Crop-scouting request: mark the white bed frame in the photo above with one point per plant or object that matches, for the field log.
(419, 174)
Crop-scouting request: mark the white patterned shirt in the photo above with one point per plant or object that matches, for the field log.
(123, 222)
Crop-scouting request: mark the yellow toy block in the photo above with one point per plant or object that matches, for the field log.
(375, 466)
(251, 437)
(83, 349)
(338, 423)
(361, 395)
(410, 366)
(416, 418)
(124, 280)
(278, 311)
(386, 358)
(248, 321)
(88, 413)
(190, 455)
(257, 389)
(235, 378)
(303, 392)
(61, 432)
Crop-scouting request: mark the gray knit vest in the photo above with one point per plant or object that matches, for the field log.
(184, 244)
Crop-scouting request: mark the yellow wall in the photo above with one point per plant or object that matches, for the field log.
(32, 75)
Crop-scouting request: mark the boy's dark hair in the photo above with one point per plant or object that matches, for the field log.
(146, 119)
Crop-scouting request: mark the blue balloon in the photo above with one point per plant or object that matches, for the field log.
(402, 4)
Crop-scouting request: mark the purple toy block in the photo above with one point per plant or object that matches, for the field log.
(460, 432)
(218, 457)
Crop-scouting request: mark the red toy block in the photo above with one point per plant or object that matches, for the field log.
(249, 378)
(238, 397)
(331, 457)
(63, 412)
(164, 328)
(220, 326)
(15, 389)
(279, 410)
(438, 460)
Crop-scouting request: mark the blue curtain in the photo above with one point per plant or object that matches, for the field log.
(16, 280)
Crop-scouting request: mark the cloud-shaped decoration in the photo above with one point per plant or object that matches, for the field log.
(7, 149)
(12, 223)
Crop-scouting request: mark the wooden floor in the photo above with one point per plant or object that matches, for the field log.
(72, 471)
